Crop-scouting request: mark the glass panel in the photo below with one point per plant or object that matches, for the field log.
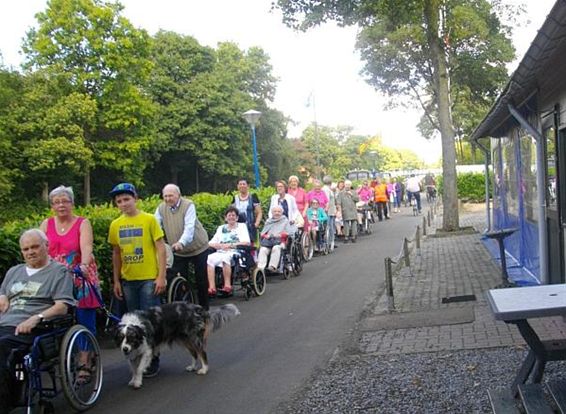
(528, 186)
(551, 201)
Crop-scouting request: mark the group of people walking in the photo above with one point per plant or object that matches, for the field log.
(139, 245)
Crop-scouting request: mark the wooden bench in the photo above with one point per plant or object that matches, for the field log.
(546, 398)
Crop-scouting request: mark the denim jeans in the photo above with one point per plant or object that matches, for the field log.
(139, 294)
(331, 230)
(417, 196)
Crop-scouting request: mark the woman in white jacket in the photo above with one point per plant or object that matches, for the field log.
(286, 202)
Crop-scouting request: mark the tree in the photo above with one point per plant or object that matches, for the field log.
(426, 51)
(104, 58)
(201, 94)
(11, 86)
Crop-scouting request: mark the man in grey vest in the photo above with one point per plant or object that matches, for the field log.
(186, 236)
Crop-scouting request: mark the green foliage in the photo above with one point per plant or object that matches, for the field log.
(471, 186)
(103, 63)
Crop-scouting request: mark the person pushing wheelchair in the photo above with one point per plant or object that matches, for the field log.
(31, 292)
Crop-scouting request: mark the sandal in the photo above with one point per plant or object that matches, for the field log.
(84, 374)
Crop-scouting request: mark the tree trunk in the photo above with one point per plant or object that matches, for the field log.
(196, 178)
(175, 175)
(45, 191)
(450, 217)
(86, 185)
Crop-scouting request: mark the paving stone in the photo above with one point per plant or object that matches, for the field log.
(449, 266)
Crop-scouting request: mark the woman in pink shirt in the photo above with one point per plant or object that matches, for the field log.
(70, 243)
(297, 192)
(319, 194)
(365, 192)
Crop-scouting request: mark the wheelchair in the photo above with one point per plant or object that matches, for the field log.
(305, 243)
(291, 262)
(178, 288)
(322, 237)
(365, 211)
(245, 273)
(53, 365)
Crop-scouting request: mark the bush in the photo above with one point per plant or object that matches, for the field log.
(471, 186)
(210, 211)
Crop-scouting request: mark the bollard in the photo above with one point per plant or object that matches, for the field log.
(428, 218)
(406, 252)
(424, 226)
(418, 241)
(389, 285)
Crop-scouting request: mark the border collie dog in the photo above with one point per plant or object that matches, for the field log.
(140, 334)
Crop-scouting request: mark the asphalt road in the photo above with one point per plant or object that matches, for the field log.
(262, 357)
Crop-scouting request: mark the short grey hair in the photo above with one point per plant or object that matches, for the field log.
(34, 232)
(348, 182)
(62, 190)
(174, 187)
(327, 180)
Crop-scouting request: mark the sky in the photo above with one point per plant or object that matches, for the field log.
(322, 61)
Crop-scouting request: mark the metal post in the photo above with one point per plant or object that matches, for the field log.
(406, 252)
(256, 162)
(424, 226)
(418, 240)
(389, 285)
(428, 218)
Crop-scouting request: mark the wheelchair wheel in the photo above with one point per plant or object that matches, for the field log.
(258, 281)
(81, 392)
(296, 258)
(307, 245)
(180, 291)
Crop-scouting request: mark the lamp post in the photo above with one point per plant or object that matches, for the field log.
(252, 117)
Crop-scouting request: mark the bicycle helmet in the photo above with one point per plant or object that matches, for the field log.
(123, 188)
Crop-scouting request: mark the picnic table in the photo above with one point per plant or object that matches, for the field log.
(517, 306)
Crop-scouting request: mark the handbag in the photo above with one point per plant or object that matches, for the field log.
(299, 221)
(269, 242)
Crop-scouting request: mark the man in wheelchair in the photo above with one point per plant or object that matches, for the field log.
(31, 292)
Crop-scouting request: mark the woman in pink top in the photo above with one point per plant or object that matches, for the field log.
(319, 194)
(70, 243)
(365, 192)
(299, 194)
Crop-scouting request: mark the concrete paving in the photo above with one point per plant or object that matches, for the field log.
(446, 266)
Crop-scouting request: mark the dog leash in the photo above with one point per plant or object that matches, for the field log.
(78, 273)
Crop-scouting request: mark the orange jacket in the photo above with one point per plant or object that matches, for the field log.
(380, 193)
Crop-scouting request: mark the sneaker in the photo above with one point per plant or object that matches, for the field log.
(346, 240)
(153, 368)
(354, 240)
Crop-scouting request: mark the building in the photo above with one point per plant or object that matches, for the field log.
(525, 131)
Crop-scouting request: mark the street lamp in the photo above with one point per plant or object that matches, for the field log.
(252, 117)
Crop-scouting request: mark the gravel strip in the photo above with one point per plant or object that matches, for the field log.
(436, 382)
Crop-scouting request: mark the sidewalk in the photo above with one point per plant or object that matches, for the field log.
(428, 356)
(448, 266)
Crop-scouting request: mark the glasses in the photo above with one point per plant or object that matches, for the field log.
(60, 202)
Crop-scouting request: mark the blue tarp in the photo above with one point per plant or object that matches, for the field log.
(517, 273)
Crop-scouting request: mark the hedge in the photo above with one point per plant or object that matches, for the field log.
(210, 209)
(471, 186)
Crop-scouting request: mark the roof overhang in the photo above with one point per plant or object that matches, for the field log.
(540, 70)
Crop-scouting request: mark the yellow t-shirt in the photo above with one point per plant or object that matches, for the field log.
(136, 237)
